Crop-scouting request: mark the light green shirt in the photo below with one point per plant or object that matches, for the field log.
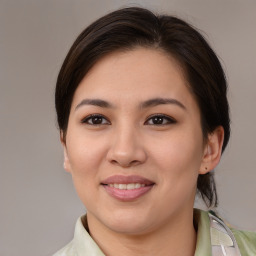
(84, 245)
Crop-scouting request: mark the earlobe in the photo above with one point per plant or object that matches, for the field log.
(212, 150)
(66, 164)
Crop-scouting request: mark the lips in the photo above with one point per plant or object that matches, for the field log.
(127, 188)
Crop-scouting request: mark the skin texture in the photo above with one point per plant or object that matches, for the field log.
(128, 142)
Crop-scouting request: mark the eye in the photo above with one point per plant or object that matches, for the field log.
(95, 119)
(160, 119)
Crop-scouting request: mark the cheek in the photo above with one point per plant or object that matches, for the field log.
(85, 160)
(85, 154)
(179, 158)
(178, 173)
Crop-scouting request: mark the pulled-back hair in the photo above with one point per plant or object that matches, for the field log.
(128, 28)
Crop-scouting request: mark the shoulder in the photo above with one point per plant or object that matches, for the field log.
(68, 250)
(246, 241)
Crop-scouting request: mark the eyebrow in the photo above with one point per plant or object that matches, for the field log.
(161, 101)
(146, 104)
(94, 102)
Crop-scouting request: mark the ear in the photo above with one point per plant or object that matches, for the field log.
(212, 150)
(66, 163)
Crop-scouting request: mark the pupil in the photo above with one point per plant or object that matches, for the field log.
(157, 120)
(97, 120)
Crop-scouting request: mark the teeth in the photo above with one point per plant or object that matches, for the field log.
(127, 186)
(137, 185)
(130, 186)
(122, 186)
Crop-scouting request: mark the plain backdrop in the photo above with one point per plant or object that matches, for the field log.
(39, 205)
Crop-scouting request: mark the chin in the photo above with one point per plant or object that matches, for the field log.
(128, 223)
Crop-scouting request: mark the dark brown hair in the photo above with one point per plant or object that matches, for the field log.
(128, 28)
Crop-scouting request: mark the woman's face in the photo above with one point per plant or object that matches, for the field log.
(134, 143)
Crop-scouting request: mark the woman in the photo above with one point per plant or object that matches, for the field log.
(143, 117)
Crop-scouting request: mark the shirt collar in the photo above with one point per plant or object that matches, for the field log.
(202, 223)
(84, 244)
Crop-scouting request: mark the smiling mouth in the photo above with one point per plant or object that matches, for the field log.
(127, 188)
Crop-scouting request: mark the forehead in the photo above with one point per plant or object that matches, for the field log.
(137, 74)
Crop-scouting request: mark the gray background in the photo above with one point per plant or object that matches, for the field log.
(39, 206)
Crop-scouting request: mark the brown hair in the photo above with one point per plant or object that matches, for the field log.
(128, 28)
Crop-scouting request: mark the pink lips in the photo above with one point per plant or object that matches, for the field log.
(127, 194)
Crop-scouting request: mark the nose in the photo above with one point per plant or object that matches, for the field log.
(126, 148)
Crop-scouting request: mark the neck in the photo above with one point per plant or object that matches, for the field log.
(176, 237)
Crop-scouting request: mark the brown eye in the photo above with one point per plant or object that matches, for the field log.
(95, 120)
(160, 120)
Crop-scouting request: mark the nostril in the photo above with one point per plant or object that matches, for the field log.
(124, 163)
(134, 162)
(114, 162)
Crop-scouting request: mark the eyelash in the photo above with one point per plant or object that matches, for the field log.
(90, 117)
(168, 120)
